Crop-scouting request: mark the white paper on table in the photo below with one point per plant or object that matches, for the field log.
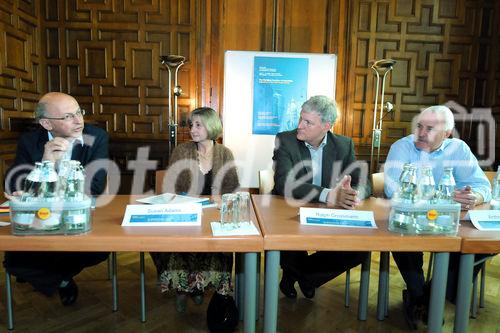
(485, 219)
(4, 224)
(171, 198)
(244, 229)
(337, 218)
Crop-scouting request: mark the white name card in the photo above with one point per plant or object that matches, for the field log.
(485, 219)
(162, 215)
(337, 217)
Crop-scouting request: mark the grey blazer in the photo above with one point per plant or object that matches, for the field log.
(289, 153)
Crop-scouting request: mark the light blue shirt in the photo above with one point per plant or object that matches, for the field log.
(452, 153)
(317, 166)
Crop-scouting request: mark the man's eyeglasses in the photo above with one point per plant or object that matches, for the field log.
(68, 116)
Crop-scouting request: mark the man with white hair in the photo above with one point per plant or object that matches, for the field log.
(430, 146)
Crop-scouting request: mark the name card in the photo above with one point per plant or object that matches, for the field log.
(485, 219)
(337, 217)
(162, 215)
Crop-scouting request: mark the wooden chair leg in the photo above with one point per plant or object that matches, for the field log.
(474, 299)
(483, 285)
(347, 288)
(429, 268)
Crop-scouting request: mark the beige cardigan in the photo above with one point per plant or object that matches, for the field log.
(184, 163)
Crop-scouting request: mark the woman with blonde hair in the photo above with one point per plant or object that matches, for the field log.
(204, 167)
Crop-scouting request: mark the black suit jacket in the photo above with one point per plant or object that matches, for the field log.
(290, 153)
(30, 149)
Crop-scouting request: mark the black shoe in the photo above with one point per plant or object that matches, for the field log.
(409, 311)
(68, 294)
(307, 290)
(287, 286)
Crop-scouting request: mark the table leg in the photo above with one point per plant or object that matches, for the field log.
(240, 284)
(382, 285)
(463, 293)
(8, 290)
(143, 288)
(363, 288)
(250, 286)
(257, 288)
(114, 280)
(271, 291)
(438, 292)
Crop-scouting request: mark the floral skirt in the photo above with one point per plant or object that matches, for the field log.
(192, 272)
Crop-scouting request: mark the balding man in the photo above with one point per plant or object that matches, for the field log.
(62, 136)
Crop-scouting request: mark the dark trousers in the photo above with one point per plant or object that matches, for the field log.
(320, 267)
(410, 266)
(45, 270)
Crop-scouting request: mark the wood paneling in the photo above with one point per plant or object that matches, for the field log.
(105, 53)
(445, 51)
(20, 73)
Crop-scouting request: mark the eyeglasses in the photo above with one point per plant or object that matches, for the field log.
(68, 116)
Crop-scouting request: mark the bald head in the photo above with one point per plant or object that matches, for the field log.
(60, 114)
(51, 101)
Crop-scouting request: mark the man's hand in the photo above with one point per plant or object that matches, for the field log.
(55, 149)
(343, 195)
(467, 198)
(14, 196)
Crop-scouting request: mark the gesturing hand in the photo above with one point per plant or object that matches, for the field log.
(343, 195)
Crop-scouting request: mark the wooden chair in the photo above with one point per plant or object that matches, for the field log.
(491, 176)
(378, 185)
(266, 181)
(159, 176)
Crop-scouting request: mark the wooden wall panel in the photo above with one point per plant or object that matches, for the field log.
(445, 51)
(110, 59)
(20, 73)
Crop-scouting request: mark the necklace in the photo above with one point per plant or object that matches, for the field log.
(205, 160)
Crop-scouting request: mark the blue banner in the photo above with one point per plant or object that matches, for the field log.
(279, 89)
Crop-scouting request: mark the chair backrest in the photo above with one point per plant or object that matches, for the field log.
(378, 185)
(266, 181)
(491, 176)
(159, 175)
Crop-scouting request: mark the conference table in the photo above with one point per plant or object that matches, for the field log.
(473, 241)
(108, 235)
(280, 226)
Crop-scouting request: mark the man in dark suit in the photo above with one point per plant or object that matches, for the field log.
(63, 135)
(308, 163)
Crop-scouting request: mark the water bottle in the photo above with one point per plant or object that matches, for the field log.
(32, 183)
(408, 187)
(427, 186)
(446, 186)
(495, 200)
(49, 217)
(48, 182)
(75, 219)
